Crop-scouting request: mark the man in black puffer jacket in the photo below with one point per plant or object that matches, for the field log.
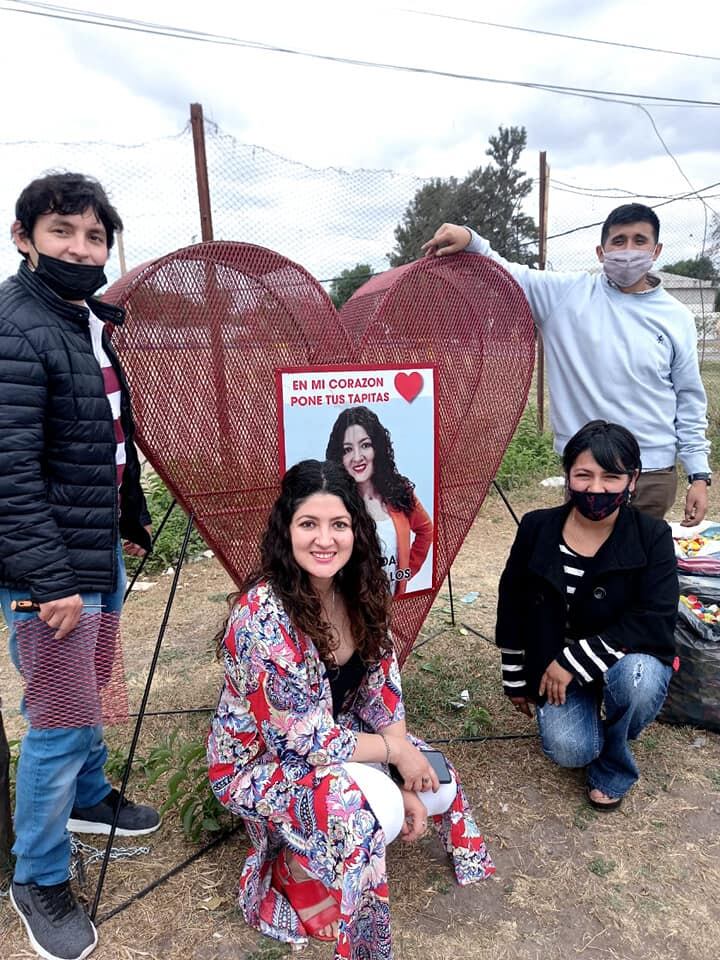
(69, 491)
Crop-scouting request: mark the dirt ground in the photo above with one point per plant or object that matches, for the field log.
(643, 882)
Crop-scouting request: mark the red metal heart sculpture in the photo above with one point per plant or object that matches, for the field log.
(208, 326)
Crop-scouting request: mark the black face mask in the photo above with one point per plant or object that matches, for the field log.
(71, 281)
(598, 506)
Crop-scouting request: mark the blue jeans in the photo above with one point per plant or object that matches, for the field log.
(58, 768)
(575, 734)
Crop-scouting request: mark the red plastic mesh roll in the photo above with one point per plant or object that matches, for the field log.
(76, 681)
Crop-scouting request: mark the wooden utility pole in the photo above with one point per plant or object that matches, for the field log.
(197, 122)
(213, 290)
(121, 252)
(542, 254)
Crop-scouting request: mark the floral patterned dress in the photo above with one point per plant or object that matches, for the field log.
(275, 755)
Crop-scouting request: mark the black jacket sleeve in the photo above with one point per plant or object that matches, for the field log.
(508, 636)
(32, 549)
(648, 625)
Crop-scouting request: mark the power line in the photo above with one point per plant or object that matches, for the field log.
(600, 191)
(617, 193)
(627, 195)
(91, 18)
(668, 151)
(599, 223)
(593, 191)
(563, 36)
(653, 206)
(685, 177)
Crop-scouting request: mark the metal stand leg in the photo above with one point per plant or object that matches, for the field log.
(156, 535)
(452, 602)
(6, 824)
(215, 842)
(141, 712)
(506, 501)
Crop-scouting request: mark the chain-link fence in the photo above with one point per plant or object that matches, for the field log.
(330, 219)
(152, 184)
(326, 219)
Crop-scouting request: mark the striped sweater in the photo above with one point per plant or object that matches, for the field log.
(112, 391)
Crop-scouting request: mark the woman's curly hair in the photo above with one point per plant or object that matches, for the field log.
(362, 582)
(392, 486)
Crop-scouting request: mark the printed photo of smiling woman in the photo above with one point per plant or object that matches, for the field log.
(360, 442)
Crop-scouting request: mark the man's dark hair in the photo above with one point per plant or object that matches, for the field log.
(66, 193)
(614, 448)
(630, 213)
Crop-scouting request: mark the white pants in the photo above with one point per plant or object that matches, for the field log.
(385, 797)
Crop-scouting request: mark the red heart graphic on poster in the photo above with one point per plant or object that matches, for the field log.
(208, 326)
(408, 385)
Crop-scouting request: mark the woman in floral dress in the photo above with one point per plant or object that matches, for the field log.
(309, 718)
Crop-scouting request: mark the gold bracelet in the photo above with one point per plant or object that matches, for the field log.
(387, 746)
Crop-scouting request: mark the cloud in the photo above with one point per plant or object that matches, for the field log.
(85, 84)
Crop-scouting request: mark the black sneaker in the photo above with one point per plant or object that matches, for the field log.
(135, 819)
(58, 927)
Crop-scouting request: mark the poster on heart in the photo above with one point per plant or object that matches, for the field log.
(380, 423)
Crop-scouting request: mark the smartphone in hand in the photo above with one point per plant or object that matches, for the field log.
(439, 764)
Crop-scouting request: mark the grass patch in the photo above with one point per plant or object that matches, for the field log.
(432, 696)
(710, 371)
(439, 883)
(530, 454)
(584, 817)
(714, 778)
(268, 951)
(601, 867)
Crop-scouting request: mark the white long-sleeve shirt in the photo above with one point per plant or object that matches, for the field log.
(630, 358)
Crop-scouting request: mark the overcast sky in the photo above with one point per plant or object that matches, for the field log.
(68, 82)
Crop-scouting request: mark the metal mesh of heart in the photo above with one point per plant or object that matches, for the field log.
(208, 326)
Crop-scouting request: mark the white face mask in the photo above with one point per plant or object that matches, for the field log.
(625, 268)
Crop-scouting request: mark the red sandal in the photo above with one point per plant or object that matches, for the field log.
(303, 895)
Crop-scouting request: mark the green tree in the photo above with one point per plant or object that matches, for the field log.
(344, 286)
(715, 235)
(488, 199)
(701, 268)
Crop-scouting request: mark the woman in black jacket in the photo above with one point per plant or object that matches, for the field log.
(586, 615)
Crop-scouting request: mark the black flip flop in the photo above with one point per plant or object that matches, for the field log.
(599, 805)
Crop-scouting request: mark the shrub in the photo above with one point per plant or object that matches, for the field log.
(167, 547)
(179, 765)
(529, 455)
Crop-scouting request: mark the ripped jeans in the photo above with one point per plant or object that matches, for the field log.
(576, 735)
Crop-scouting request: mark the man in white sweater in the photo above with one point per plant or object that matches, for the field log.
(618, 347)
